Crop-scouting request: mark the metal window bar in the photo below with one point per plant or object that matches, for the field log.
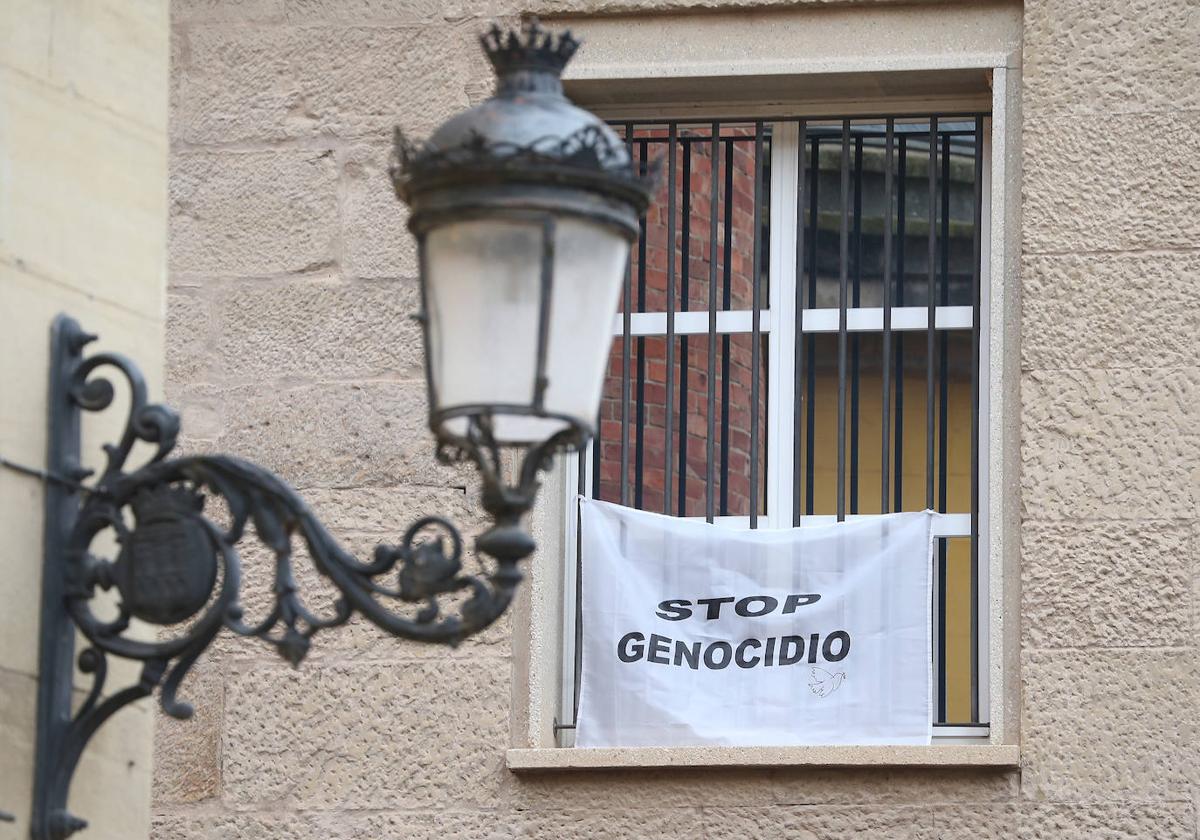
(756, 320)
(735, 152)
(626, 349)
(713, 211)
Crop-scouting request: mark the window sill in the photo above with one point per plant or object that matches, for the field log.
(609, 758)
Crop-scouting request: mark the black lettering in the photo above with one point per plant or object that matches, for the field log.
(812, 648)
(691, 654)
(710, 660)
(676, 609)
(791, 650)
(742, 661)
(769, 658)
(827, 649)
(714, 606)
(659, 645)
(768, 605)
(627, 650)
(792, 601)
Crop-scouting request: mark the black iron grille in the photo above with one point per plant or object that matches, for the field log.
(874, 375)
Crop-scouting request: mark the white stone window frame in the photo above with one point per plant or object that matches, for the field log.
(805, 64)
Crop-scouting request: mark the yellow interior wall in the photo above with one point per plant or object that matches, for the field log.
(958, 492)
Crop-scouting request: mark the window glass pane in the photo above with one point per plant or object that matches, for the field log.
(817, 418)
(694, 247)
(731, 415)
(956, 555)
(909, 213)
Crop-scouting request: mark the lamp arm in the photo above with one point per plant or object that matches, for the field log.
(179, 569)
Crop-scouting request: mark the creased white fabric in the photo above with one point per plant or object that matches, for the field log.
(667, 661)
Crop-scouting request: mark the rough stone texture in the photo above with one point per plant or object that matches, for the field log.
(1083, 55)
(187, 753)
(376, 242)
(253, 212)
(642, 790)
(1111, 311)
(292, 277)
(600, 824)
(833, 786)
(820, 823)
(1094, 183)
(1109, 725)
(190, 324)
(391, 825)
(388, 735)
(245, 84)
(320, 328)
(1167, 820)
(1109, 443)
(336, 435)
(1107, 585)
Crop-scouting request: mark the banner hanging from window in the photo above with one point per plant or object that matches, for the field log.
(694, 634)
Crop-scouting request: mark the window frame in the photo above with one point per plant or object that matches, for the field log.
(539, 619)
(778, 326)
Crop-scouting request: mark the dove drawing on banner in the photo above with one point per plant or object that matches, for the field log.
(824, 683)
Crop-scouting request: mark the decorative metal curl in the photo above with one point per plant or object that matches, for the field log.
(177, 568)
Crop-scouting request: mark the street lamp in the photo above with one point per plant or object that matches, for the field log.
(524, 209)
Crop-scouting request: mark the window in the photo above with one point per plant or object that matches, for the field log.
(800, 341)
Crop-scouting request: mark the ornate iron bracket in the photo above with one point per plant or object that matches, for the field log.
(177, 568)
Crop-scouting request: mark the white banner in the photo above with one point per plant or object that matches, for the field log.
(695, 634)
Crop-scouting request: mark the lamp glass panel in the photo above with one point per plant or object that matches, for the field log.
(483, 294)
(589, 266)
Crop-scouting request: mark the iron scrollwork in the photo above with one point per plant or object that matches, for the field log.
(177, 566)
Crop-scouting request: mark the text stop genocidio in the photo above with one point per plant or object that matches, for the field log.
(748, 653)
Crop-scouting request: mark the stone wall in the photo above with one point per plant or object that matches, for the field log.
(290, 283)
(83, 182)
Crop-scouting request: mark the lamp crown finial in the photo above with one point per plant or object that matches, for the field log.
(532, 47)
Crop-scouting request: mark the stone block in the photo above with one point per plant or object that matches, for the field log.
(26, 32)
(1109, 443)
(375, 237)
(337, 435)
(1053, 821)
(892, 786)
(621, 791)
(1112, 584)
(114, 257)
(253, 213)
(227, 11)
(359, 12)
(1110, 310)
(201, 408)
(246, 84)
(600, 824)
(1103, 182)
(341, 825)
(187, 753)
(415, 825)
(190, 346)
(820, 822)
(372, 735)
(1092, 55)
(189, 825)
(318, 329)
(1109, 725)
(115, 54)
